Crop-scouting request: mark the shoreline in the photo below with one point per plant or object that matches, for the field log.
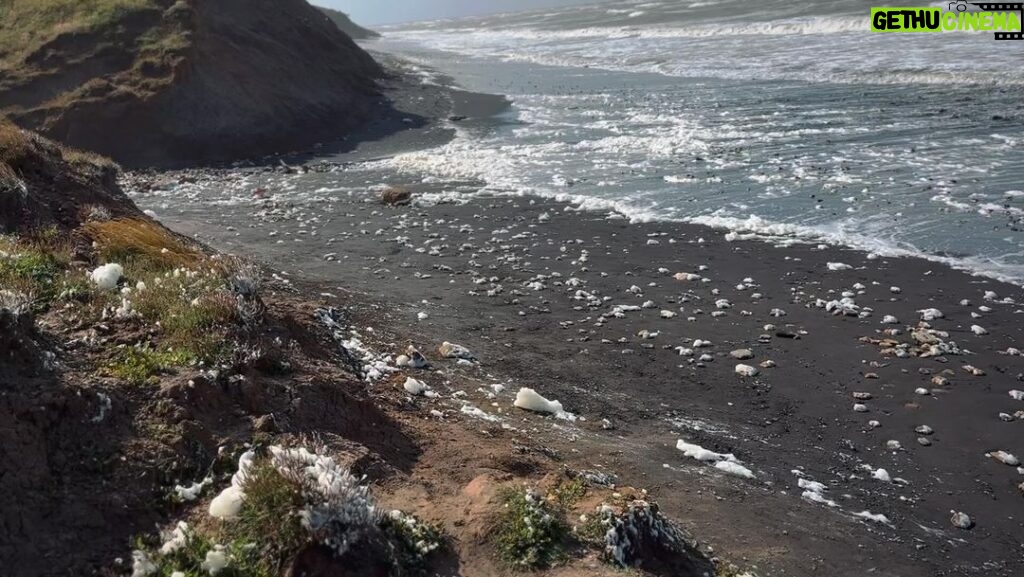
(764, 421)
(496, 273)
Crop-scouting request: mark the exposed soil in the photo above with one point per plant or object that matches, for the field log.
(43, 184)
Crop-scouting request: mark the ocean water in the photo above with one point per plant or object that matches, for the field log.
(786, 120)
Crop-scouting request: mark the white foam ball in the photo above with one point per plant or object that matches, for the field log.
(107, 276)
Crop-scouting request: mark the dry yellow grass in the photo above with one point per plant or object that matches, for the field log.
(127, 240)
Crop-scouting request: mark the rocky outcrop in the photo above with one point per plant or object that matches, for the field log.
(345, 23)
(164, 83)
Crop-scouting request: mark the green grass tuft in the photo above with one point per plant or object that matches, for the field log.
(140, 365)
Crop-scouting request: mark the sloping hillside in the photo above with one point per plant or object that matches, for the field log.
(163, 83)
(44, 184)
(347, 26)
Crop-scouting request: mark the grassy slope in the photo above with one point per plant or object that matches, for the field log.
(25, 25)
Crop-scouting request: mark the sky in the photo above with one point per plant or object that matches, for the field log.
(371, 12)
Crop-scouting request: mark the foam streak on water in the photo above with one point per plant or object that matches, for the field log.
(783, 119)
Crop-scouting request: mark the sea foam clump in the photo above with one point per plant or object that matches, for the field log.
(639, 529)
(530, 400)
(107, 276)
(339, 510)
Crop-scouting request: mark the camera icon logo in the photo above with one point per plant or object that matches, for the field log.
(959, 6)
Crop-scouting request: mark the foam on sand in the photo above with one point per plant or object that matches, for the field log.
(528, 399)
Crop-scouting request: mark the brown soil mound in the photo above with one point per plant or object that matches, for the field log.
(165, 83)
(44, 184)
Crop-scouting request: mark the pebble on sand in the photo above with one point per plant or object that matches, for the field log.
(1004, 458)
(746, 371)
(415, 387)
(961, 520)
(454, 351)
(742, 354)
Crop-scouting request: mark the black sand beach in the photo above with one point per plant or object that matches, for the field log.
(531, 287)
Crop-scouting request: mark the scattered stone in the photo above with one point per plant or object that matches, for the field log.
(1004, 458)
(961, 520)
(940, 381)
(924, 430)
(862, 396)
(893, 445)
(746, 371)
(860, 408)
(454, 351)
(924, 441)
(1017, 395)
(769, 364)
(742, 354)
(396, 196)
(416, 359)
(415, 387)
(974, 370)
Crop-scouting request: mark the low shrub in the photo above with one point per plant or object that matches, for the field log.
(282, 501)
(34, 267)
(530, 531)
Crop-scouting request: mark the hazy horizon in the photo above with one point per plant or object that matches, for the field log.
(397, 11)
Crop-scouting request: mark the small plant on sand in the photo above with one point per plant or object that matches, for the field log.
(530, 531)
(569, 492)
(413, 541)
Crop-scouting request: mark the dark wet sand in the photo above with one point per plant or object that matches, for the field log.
(796, 416)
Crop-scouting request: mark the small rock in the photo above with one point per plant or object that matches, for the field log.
(924, 441)
(746, 371)
(415, 387)
(860, 408)
(961, 520)
(396, 196)
(862, 396)
(742, 354)
(940, 381)
(974, 370)
(416, 359)
(454, 351)
(893, 445)
(924, 430)
(1004, 458)
(769, 364)
(265, 424)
